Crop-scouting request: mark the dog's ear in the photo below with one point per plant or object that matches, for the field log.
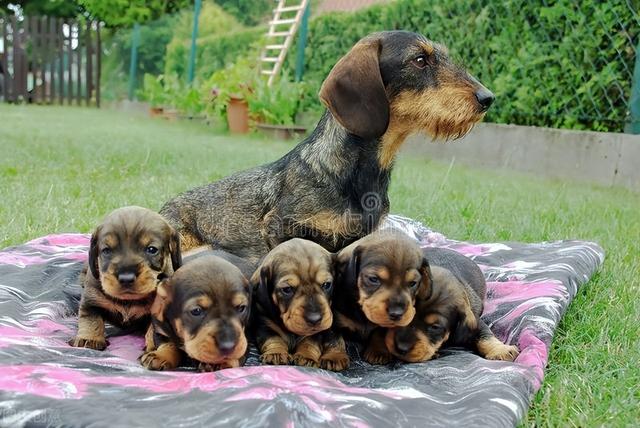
(262, 284)
(353, 268)
(354, 91)
(174, 248)
(164, 295)
(467, 327)
(94, 252)
(426, 285)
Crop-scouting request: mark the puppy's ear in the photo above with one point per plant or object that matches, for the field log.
(164, 295)
(174, 248)
(93, 253)
(353, 269)
(467, 328)
(263, 286)
(354, 91)
(426, 285)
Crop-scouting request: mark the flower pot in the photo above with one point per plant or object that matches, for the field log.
(155, 111)
(238, 116)
(282, 132)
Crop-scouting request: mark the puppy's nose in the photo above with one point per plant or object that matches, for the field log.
(312, 318)
(396, 311)
(226, 346)
(402, 346)
(485, 98)
(126, 278)
(226, 340)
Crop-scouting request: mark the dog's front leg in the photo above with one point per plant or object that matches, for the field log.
(334, 352)
(308, 352)
(90, 330)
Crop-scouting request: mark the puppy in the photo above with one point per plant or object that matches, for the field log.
(292, 289)
(379, 278)
(200, 312)
(332, 187)
(450, 315)
(130, 253)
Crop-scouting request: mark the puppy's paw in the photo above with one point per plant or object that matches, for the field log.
(503, 352)
(302, 360)
(154, 361)
(275, 358)
(208, 367)
(334, 361)
(376, 356)
(97, 343)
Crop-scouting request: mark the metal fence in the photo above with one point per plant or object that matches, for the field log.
(47, 60)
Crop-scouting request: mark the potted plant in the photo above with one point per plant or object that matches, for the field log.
(274, 108)
(154, 93)
(229, 90)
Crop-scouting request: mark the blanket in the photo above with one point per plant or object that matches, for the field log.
(45, 382)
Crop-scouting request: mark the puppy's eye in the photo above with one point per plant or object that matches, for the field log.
(420, 61)
(151, 250)
(435, 328)
(106, 251)
(413, 285)
(326, 286)
(287, 291)
(196, 311)
(241, 309)
(373, 280)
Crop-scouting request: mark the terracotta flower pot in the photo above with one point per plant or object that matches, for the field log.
(155, 111)
(238, 116)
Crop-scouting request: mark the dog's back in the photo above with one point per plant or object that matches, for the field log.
(463, 268)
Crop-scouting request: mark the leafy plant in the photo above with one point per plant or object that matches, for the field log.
(237, 80)
(153, 90)
(278, 104)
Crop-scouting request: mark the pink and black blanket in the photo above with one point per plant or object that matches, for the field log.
(44, 382)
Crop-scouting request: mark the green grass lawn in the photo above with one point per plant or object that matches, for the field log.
(63, 169)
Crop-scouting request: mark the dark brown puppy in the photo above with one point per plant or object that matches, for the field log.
(130, 253)
(378, 280)
(332, 188)
(201, 311)
(292, 314)
(450, 316)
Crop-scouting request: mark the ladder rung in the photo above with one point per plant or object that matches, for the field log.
(288, 9)
(267, 72)
(274, 46)
(279, 33)
(282, 21)
(269, 59)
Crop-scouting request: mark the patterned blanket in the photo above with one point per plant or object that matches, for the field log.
(44, 382)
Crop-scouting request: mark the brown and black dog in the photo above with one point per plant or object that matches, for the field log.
(200, 312)
(292, 307)
(450, 315)
(332, 187)
(130, 253)
(378, 279)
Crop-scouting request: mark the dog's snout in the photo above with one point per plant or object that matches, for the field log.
(485, 98)
(402, 346)
(396, 310)
(313, 318)
(126, 278)
(226, 341)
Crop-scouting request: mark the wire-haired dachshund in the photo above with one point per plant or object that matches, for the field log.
(292, 307)
(200, 313)
(450, 315)
(130, 253)
(332, 187)
(378, 279)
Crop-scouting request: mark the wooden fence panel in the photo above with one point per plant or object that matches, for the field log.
(45, 60)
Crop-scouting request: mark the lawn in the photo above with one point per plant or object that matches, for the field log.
(62, 169)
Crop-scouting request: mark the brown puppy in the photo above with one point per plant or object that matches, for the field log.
(378, 280)
(130, 253)
(292, 314)
(450, 316)
(332, 187)
(201, 311)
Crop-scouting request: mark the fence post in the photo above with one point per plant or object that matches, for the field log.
(302, 43)
(633, 127)
(135, 41)
(194, 36)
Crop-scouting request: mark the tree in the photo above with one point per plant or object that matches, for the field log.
(58, 8)
(124, 13)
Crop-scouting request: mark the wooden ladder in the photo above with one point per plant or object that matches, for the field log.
(282, 30)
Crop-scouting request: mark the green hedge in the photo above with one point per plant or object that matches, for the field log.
(565, 65)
